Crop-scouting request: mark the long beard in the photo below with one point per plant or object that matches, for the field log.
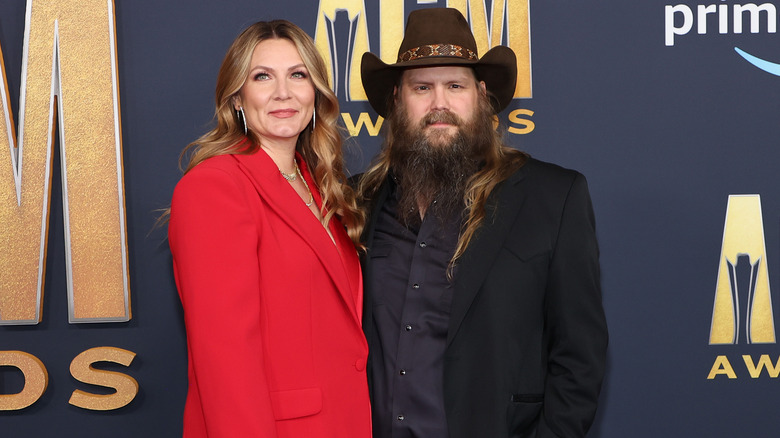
(431, 166)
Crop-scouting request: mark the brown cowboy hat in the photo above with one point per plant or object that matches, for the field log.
(440, 37)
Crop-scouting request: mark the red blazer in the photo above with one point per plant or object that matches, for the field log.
(271, 307)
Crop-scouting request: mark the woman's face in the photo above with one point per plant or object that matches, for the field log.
(278, 95)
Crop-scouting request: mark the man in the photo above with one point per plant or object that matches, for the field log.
(483, 305)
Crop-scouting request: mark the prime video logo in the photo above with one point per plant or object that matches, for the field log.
(680, 20)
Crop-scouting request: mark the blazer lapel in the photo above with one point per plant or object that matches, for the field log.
(265, 176)
(503, 206)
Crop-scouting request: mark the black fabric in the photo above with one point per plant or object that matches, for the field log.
(411, 310)
(527, 337)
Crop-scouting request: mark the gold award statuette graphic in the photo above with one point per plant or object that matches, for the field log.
(743, 309)
(68, 84)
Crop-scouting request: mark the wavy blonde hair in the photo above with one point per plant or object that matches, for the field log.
(321, 147)
(500, 161)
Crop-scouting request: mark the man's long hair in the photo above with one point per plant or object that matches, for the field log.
(499, 162)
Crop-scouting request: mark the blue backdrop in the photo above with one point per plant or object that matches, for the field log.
(664, 133)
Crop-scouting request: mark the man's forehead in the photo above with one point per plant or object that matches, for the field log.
(438, 73)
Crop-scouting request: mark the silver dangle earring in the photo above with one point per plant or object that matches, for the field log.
(313, 118)
(241, 117)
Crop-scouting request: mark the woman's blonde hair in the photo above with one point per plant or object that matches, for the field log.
(320, 146)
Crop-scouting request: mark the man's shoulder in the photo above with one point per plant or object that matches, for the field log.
(537, 176)
(535, 168)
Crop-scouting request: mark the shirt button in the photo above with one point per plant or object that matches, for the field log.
(423, 245)
(402, 372)
(415, 286)
(408, 327)
(360, 364)
(401, 417)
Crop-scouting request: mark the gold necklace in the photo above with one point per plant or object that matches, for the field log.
(290, 177)
(305, 184)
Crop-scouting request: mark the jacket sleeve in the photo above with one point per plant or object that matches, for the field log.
(575, 326)
(214, 239)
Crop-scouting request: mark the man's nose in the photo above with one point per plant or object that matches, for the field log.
(440, 100)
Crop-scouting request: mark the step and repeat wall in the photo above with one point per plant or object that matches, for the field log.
(670, 108)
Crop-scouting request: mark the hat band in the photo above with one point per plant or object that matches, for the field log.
(433, 50)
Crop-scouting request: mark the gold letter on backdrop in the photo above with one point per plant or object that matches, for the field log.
(488, 33)
(36, 379)
(81, 369)
(722, 366)
(69, 52)
(743, 234)
(764, 362)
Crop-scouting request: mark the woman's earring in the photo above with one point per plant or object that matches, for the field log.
(241, 117)
(313, 118)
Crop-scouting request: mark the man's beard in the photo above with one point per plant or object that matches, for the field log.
(428, 166)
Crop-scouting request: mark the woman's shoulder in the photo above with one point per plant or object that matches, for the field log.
(217, 170)
(225, 163)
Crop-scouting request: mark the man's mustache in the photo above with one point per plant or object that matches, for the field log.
(441, 116)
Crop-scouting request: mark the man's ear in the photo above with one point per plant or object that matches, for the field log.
(395, 93)
(483, 88)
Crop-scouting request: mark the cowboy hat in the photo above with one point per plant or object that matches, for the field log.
(440, 37)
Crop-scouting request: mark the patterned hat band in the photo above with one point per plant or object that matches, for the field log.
(433, 50)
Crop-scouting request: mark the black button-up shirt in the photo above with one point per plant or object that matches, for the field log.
(412, 300)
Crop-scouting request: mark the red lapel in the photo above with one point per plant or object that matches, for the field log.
(339, 261)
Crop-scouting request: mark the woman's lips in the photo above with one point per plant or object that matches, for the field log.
(284, 113)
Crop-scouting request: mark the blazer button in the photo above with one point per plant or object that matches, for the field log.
(360, 364)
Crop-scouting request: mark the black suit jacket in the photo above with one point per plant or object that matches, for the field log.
(527, 338)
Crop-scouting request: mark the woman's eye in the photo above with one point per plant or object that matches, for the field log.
(261, 76)
(299, 75)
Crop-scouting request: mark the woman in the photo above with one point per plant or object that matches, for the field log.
(263, 233)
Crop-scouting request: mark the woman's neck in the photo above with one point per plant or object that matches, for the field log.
(282, 154)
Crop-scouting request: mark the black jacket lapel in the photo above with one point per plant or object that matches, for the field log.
(503, 207)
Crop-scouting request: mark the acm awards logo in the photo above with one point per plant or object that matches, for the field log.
(344, 32)
(742, 312)
(723, 18)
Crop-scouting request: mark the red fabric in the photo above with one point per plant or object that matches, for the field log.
(271, 307)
